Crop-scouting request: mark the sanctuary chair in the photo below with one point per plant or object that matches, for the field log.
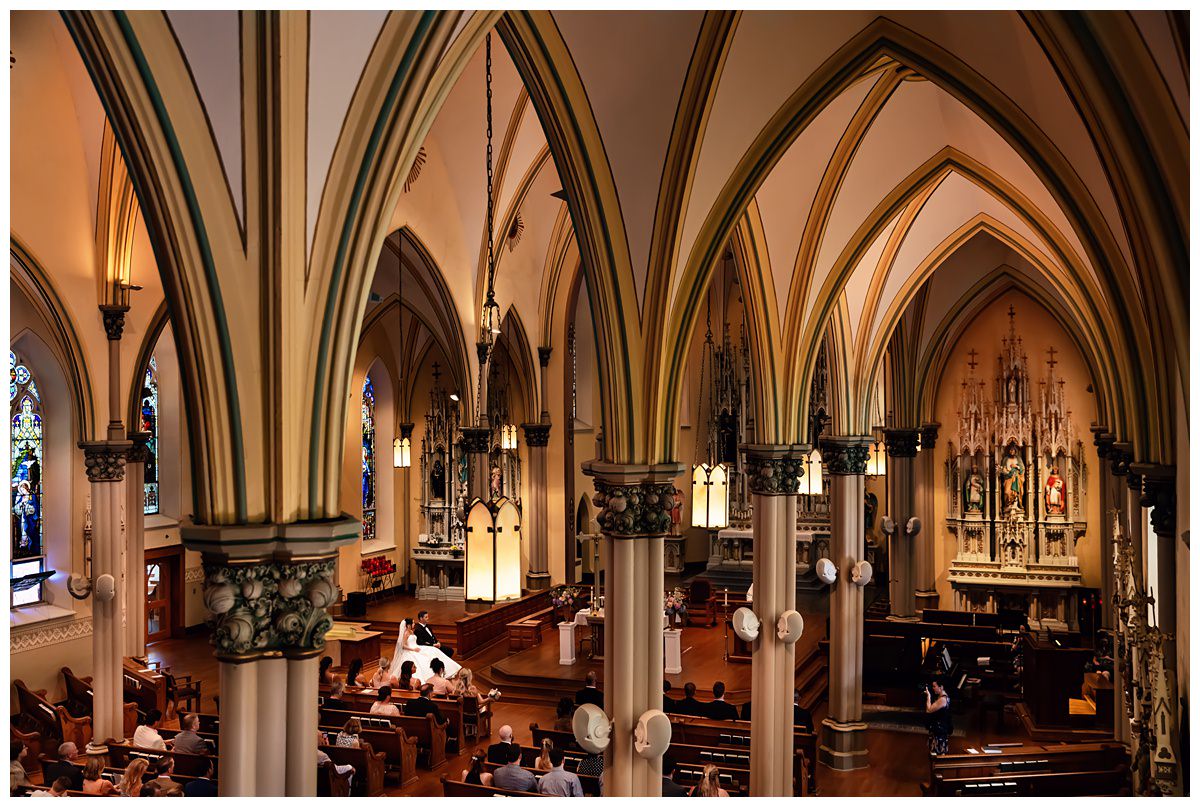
(182, 689)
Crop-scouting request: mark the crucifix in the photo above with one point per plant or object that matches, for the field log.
(972, 363)
(437, 373)
(1052, 361)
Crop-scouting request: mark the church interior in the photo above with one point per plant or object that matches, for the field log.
(398, 397)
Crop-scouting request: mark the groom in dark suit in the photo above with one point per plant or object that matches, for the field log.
(425, 635)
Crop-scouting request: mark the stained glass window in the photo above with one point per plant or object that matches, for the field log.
(149, 423)
(368, 460)
(25, 407)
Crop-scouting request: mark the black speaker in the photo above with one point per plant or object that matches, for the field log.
(356, 604)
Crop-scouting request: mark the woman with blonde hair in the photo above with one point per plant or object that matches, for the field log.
(542, 763)
(94, 784)
(710, 783)
(464, 688)
(383, 675)
(348, 736)
(131, 781)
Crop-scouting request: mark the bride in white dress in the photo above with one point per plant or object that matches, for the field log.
(407, 649)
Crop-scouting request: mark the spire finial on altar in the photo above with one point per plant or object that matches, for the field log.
(972, 363)
(1052, 361)
(437, 373)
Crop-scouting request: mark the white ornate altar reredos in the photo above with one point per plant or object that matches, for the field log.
(438, 556)
(1016, 482)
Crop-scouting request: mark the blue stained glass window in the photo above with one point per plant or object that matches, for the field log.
(149, 423)
(28, 443)
(368, 460)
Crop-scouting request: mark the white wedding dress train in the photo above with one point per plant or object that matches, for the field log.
(421, 656)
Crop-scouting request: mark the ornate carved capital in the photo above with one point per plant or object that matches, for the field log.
(1158, 492)
(475, 439)
(406, 430)
(775, 470)
(262, 607)
(537, 435)
(901, 442)
(544, 356)
(1103, 441)
(114, 320)
(1120, 454)
(482, 350)
(634, 501)
(104, 460)
(929, 435)
(846, 456)
(140, 450)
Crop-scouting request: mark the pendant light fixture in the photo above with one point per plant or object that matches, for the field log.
(402, 444)
(710, 479)
(490, 318)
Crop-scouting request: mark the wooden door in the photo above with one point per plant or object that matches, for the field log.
(159, 602)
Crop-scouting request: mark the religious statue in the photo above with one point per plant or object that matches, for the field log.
(973, 492)
(870, 508)
(25, 510)
(676, 510)
(437, 480)
(1012, 471)
(1055, 498)
(497, 482)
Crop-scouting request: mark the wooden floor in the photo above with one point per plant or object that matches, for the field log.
(898, 760)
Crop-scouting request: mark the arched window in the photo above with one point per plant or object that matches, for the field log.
(26, 572)
(368, 460)
(149, 423)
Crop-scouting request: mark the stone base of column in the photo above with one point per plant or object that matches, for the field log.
(537, 581)
(926, 599)
(843, 745)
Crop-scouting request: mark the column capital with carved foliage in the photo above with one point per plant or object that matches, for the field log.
(105, 460)
(475, 439)
(635, 501)
(929, 435)
(846, 455)
(140, 450)
(544, 356)
(537, 435)
(901, 442)
(775, 470)
(1158, 492)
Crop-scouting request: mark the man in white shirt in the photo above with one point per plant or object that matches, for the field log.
(146, 735)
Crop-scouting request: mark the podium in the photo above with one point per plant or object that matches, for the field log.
(493, 561)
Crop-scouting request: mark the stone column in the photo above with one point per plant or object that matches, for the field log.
(537, 437)
(105, 463)
(924, 548)
(843, 733)
(269, 619)
(634, 503)
(135, 545)
(902, 452)
(773, 473)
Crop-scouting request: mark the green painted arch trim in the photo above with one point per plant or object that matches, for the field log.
(210, 272)
(339, 264)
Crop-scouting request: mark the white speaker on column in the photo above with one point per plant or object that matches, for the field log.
(826, 571)
(592, 728)
(790, 627)
(746, 624)
(652, 734)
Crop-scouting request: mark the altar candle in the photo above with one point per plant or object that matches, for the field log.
(726, 597)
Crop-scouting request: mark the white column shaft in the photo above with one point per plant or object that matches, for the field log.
(108, 640)
(135, 560)
(301, 726)
(240, 738)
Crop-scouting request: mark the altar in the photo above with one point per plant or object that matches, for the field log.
(439, 572)
(584, 617)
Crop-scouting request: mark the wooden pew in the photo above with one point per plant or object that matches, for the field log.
(209, 724)
(120, 754)
(79, 702)
(1075, 757)
(1040, 783)
(35, 713)
(589, 784)
(331, 783)
(453, 709)
(429, 735)
(399, 750)
(454, 787)
(144, 686)
(369, 766)
(688, 768)
(736, 733)
(212, 739)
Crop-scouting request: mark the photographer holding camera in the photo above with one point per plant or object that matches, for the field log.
(937, 707)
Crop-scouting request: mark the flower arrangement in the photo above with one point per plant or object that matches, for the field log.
(675, 606)
(564, 598)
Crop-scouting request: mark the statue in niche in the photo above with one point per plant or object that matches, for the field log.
(676, 511)
(1056, 501)
(497, 482)
(870, 508)
(462, 469)
(973, 492)
(437, 480)
(1012, 472)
